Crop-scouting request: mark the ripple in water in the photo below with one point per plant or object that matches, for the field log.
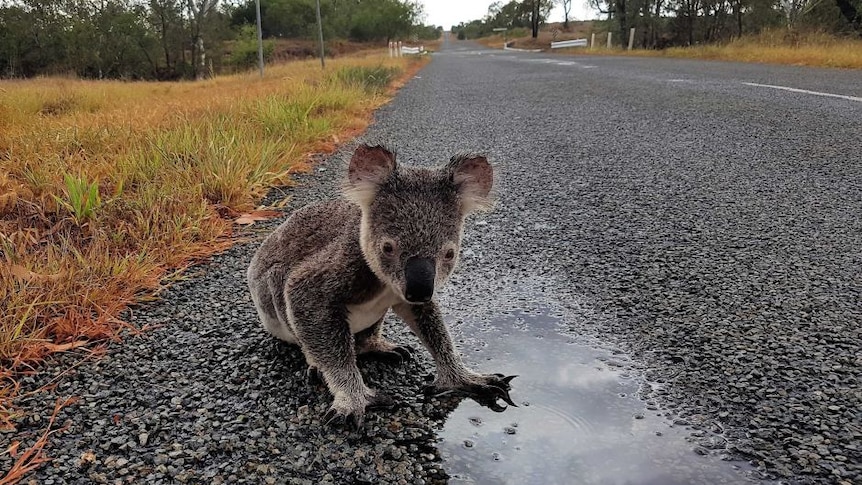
(579, 420)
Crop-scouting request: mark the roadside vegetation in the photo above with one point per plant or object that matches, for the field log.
(775, 47)
(188, 39)
(816, 49)
(109, 189)
(825, 33)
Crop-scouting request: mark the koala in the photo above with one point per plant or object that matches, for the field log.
(326, 277)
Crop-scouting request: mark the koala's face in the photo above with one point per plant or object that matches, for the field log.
(412, 217)
(412, 233)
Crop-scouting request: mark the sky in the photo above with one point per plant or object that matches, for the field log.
(452, 12)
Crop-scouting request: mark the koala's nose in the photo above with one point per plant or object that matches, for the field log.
(419, 274)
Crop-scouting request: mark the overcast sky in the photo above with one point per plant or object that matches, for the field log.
(452, 12)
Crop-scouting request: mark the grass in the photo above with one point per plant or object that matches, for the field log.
(107, 188)
(814, 49)
(820, 50)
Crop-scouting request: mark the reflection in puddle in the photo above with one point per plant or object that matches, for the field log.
(579, 419)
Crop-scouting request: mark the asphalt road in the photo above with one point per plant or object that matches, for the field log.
(708, 219)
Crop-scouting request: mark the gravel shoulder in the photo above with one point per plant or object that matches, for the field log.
(713, 233)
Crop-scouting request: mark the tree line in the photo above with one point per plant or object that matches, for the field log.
(176, 39)
(664, 23)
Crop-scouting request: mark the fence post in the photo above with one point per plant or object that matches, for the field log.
(593, 41)
(609, 40)
(631, 38)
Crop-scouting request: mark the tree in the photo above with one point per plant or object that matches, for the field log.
(165, 18)
(199, 12)
(851, 14)
(567, 9)
(539, 11)
(534, 17)
(382, 20)
(512, 15)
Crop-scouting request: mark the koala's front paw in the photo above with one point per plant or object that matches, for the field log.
(349, 409)
(482, 388)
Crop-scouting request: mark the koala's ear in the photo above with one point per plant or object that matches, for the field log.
(369, 167)
(473, 177)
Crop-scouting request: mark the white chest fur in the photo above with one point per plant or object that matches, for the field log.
(366, 314)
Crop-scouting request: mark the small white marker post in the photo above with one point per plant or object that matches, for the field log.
(609, 40)
(593, 41)
(505, 37)
(631, 38)
(399, 48)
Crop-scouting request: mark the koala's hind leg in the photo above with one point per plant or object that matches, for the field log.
(325, 338)
(271, 308)
(371, 343)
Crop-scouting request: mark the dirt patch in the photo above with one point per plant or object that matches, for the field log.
(293, 49)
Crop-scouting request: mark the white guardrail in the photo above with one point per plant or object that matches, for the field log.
(569, 43)
(397, 49)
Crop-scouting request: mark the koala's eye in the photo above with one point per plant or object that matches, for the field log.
(450, 254)
(388, 248)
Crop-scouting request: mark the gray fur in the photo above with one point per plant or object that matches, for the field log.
(324, 279)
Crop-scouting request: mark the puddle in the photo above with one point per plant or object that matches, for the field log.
(579, 418)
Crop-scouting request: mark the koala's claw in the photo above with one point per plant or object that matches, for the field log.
(398, 355)
(496, 386)
(334, 416)
(405, 351)
(487, 394)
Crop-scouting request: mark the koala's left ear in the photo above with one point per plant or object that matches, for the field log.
(473, 177)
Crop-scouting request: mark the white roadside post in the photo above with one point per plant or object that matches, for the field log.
(505, 37)
(593, 41)
(399, 49)
(609, 40)
(631, 38)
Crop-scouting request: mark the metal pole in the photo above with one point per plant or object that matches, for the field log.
(259, 39)
(320, 32)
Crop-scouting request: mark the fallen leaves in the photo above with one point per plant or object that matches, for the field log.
(13, 449)
(34, 456)
(25, 274)
(256, 215)
(52, 347)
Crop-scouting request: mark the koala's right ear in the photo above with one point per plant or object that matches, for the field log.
(369, 167)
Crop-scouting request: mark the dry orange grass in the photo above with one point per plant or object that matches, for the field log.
(817, 50)
(108, 187)
(771, 47)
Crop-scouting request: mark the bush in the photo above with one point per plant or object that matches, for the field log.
(371, 79)
(244, 50)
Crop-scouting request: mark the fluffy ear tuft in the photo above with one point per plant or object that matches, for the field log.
(473, 177)
(370, 166)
